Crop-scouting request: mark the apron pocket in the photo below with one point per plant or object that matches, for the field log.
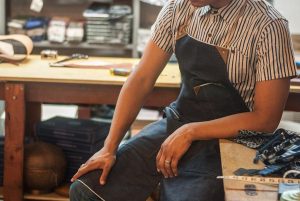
(220, 100)
(212, 92)
(174, 119)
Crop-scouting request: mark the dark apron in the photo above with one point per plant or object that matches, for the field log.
(206, 94)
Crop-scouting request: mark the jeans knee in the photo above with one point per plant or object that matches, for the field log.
(75, 191)
(79, 192)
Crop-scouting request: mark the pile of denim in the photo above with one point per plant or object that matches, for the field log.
(78, 138)
(279, 151)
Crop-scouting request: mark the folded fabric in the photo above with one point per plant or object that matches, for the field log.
(252, 139)
(279, 151)
(15, 48)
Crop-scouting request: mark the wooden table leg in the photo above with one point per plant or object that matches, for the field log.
(84, 112)
(33, 116)
(14, 139)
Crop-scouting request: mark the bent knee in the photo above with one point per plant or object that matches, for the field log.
(79, 192)
(75, 191)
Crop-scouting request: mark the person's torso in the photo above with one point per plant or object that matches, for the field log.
(212, 27)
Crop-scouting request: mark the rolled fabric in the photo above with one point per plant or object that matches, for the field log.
(15, 48)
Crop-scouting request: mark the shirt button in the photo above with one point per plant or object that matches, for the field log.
(209, 35)
(214, 11)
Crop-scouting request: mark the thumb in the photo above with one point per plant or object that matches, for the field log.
(104, 174)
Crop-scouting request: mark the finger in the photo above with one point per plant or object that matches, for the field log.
(168, 168)
(161, 165)
(174, 164)
(83, 170)
(84, 164)
(104, 174)
(158, 159)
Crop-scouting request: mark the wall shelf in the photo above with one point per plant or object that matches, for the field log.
(86, 48)
(74, 11)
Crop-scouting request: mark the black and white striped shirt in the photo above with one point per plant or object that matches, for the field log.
(261, 47)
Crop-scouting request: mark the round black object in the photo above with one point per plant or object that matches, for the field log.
(44, 167)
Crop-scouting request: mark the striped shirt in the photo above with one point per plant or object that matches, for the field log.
(260, 48)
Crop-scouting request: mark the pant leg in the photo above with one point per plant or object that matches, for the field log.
(80, 192)
(134, 176)
(196, 180)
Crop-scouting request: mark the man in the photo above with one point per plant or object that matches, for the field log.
(236, 61)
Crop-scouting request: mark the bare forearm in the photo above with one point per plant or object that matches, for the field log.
(264, 117)
(134, 92)
(129, 103)
(229, 126)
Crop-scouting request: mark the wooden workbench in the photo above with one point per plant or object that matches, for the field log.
(25, 87)
(236, 156)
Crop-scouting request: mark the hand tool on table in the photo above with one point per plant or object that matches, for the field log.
(49, 54)
(60, 63)
(120, 69)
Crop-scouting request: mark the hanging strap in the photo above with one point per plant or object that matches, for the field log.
(181, 31)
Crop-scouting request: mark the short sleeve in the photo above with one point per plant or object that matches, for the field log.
(161, 31)
(275, 57)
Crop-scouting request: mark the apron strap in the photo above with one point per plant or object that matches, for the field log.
(181, 31)
(224, 51)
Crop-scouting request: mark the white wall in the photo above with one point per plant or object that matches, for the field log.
(2, 16)
(291, 10)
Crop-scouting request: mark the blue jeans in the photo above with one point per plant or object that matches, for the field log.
(80, 192)
(134, 176)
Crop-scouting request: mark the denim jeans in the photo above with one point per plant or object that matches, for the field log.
(80, 192)
(134, 176)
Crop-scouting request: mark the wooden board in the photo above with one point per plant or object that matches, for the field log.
(44, 197)
(35, 69)
(236, 156)
(14, 139)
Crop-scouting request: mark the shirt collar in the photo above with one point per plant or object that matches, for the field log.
(228, 12)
